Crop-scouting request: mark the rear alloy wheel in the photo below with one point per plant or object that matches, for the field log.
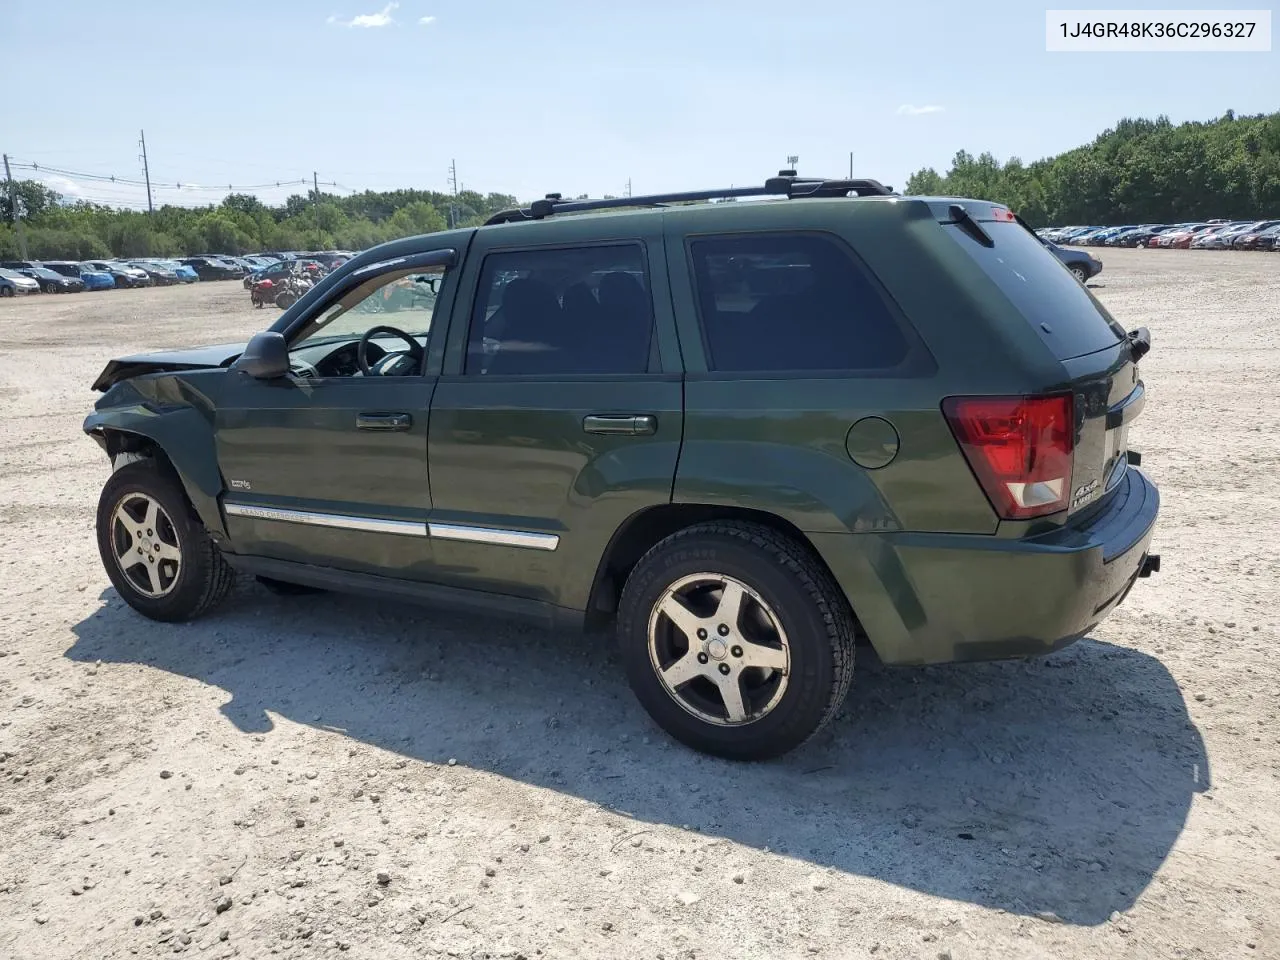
(736, 640)
(155, 550)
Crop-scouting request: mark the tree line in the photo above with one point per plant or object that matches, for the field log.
(61, 228)
(1140, 171)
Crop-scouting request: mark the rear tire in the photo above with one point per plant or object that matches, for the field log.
(154, 547)
(750, 686)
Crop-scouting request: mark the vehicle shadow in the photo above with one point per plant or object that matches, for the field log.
(1058, 784)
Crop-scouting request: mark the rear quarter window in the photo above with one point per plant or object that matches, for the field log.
(796, 302)
(1068, 318)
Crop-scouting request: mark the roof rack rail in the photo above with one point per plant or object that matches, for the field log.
(785, 184)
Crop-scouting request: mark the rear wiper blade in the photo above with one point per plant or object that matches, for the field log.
(1139, 343)
(970, 226)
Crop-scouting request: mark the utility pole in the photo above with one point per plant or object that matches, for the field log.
(628, 186)
(13, 207)
(146, 171)
(315, 182)
(453, 207)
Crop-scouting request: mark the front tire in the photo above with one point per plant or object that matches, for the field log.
(1079, 273)
(154, 548)
(736, 640)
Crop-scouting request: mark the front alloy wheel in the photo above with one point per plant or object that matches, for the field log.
(146, 545)
(154, 548)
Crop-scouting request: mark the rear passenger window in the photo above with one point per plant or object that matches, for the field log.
(791, 302)
(576, 310)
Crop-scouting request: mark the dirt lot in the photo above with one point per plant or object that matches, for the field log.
(315, 776)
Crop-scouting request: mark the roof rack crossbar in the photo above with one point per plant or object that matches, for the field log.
(786, 184)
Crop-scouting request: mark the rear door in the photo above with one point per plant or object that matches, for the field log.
(560, 413)
(1093, 349)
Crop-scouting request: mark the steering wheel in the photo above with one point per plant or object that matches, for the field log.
(393, 363)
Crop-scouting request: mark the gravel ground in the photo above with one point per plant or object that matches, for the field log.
(318, 775)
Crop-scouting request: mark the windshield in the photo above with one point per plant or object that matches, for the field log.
(45, 273)
(11, 274)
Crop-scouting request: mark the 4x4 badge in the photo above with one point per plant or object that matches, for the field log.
(1083, 493)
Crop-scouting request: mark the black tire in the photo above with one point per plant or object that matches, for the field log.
(284, 588)
(802, 597)
(6, 291)
(203, 577)
(1079, 272)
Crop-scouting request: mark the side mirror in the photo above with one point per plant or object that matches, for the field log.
(265, 357)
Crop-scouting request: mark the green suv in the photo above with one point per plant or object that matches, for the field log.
(748, 434)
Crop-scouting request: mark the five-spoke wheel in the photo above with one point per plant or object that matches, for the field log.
(145, 544)
(736, 639)
(155, 550)
(719, 649)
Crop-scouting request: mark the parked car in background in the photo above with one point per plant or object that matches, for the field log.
(123, 274)
(92, 279)
(184, 273)
(159, 275)
(1247, 239)
(1221, 238)
(20, 264)
(53, 282)
(1266, 240)
(1083, 266)
(14, 284)
(1181, 239)
(212, 268)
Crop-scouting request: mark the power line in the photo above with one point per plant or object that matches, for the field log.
(134, 182)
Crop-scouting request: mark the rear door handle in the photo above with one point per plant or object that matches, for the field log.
(383, 421)
(629, 425)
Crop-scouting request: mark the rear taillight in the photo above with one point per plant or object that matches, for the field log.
(1019, 448)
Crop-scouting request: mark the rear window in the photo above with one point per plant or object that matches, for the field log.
(1068, 318)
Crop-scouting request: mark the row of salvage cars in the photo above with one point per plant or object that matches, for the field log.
(1194, 235)
(72, 276)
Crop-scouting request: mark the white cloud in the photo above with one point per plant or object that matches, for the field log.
(380, 19)
(426, 21)
(68, 188)
(909, 110)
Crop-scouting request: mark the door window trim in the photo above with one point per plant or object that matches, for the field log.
(653, 364)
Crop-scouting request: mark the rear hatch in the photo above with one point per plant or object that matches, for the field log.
(1098, 358)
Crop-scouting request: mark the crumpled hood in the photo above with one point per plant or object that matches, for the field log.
(195, 358)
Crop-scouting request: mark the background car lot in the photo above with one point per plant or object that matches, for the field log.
(1125, 786)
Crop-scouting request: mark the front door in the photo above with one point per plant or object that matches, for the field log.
(561, 414)
(328, 466)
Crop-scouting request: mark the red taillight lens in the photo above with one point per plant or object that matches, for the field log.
(1002, 214)
(1019, 448)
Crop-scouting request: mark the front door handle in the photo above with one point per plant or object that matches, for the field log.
(383, 421)
(629, 425)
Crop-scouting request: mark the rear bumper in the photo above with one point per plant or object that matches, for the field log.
(937, 598)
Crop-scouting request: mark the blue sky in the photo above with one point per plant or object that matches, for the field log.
(567, 95)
